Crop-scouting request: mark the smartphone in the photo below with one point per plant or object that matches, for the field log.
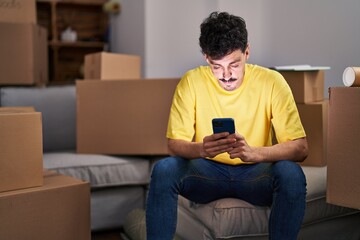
(223, 125)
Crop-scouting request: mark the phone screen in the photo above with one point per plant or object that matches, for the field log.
(223, 125)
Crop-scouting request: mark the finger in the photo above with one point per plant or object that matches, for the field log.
(238, 136)
(221, 135)
(223, 142)
(219, 149)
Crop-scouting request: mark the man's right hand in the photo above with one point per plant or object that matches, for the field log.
(217, 143)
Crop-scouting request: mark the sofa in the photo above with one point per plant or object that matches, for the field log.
(321, 221)
(119, 183)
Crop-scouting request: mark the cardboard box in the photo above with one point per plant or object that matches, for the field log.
(58, 210)
(18, 11)
(343, 176)
(21, 150)
(123, 117)
(314, 117)
(306, 86)
(23, 54)
(112, 66)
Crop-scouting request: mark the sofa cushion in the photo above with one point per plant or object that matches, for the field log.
(100, 170)
(58, 107)
(217, 215)
(109, 206)
(226, 218)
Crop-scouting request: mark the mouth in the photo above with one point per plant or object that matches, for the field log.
(230, 80)
(229, 84)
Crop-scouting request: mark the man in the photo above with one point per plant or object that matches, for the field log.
(203, 166)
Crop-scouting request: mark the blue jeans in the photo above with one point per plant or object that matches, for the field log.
(281, 185)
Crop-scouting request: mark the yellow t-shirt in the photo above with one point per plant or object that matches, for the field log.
(263, 100)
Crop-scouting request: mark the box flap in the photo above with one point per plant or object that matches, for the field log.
(12, 110)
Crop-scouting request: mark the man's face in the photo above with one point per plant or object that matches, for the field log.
(230, 69)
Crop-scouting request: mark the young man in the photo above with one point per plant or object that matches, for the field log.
(203, 166)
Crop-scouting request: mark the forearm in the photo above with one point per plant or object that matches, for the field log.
(185, 149)
(296, 150)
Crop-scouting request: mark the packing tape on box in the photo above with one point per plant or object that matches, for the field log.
(351, 77)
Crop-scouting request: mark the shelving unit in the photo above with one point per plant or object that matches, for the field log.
(90, 22)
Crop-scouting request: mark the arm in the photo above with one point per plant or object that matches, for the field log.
(185, 149)
(211, 146)
(295, 150)
(236, 146)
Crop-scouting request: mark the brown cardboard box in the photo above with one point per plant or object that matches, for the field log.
(314, 117)
(18, 11)
(21, 152)
(58, 210)
(23, 54)
(306, 86)
(343, 176)
(112, 66)
(123, 117)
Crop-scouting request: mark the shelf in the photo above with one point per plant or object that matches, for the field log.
(77, 44)
(88, 19)
(74, 2)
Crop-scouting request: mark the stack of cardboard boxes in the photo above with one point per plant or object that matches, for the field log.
(343, 182)
(333, 133)
(308, 91)
(117, 111)
(36, 204)
(23, 45)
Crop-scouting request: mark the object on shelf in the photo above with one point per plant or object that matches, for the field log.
(112, 6)
(68, 35)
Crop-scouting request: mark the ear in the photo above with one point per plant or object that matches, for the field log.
(247, 51)
(207, 59)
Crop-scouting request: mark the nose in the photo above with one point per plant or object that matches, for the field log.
(227, 74)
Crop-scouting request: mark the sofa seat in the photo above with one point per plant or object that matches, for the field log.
(117, 183)
(237, 219)
(100, 170)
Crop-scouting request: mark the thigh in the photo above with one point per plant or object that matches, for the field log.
(253, 183)
(205, 181)
(257, 183)
(202, 180)
(177, 170)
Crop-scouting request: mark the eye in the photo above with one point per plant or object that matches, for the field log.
(215, 67)
(234, 66)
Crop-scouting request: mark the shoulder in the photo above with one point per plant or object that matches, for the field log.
(265, 75)
(196, 73)
(263, 71)
(196, 77)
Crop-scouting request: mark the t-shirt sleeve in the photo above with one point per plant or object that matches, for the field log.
(181, 124)
(285, 116)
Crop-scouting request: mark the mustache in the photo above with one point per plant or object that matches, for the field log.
(229, 80)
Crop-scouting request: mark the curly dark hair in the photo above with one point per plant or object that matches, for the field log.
(221, 34)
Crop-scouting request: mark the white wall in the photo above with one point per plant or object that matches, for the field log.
(128, 29)
(281, 32)
(303, 32)
(172, 30)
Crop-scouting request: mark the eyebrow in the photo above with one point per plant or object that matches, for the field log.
(235, 61)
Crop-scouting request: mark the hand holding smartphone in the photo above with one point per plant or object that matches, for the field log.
(223, 125)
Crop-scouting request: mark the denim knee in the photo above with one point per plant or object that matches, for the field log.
(167, 169)
(290, 179)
